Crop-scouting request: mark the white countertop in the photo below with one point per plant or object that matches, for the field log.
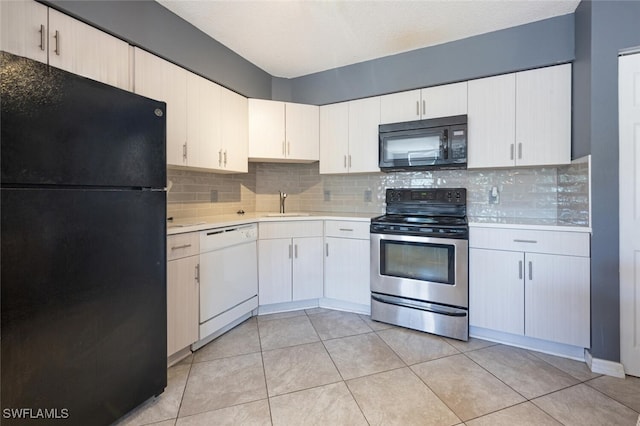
(532, 224)
(180, 226)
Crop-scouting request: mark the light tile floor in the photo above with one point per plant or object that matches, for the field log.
(324, 367)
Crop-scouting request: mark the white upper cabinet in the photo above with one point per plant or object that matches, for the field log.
(444, 101)
(207, 125)
(23, 29)
(402, 106)
(302, 132)
(364, 118)
(35, 31)
(334, 138)
(203, 126)
(492, 122)
(520, 119)
(81, 49)
(431, 102)
(283, 131)
(159, 79)
(234, 131)
(349, 136)
(543, 116)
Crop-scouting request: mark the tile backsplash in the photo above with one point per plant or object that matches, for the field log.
(544, 194)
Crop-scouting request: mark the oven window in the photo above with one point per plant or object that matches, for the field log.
(418, 261)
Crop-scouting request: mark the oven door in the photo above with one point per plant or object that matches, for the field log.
(421, 268)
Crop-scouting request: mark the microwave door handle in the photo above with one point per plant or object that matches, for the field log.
(445, 144)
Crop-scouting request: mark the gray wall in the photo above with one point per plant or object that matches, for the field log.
(541, 43)
(146, 24)
(603, 28)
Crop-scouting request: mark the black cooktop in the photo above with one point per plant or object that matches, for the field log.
(436, 212)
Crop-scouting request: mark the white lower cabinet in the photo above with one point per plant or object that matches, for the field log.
(346, 268)
(182, 291)
(531, 283)
(290, 261)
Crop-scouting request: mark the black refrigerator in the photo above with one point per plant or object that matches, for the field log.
(83, 253)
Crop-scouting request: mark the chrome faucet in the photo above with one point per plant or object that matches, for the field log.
(283, 197)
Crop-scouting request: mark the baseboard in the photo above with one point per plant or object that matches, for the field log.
(341, 305)
(524, 342)
(603, 366)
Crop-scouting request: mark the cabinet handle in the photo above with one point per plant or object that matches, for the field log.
(511, 155)
(295, 250)
(288, 148)
(184, 151)
(57, 37)
(418, 108)
(346, 229)
(520, 151)
(520, 269)
(345, 161)
(349, 160)
(225, 158)
(220, 158)
(180, 247)
(530, 270)
(197, 273)
(41, 37)
(290, 250)
(526, 241)
(424, 107)
(327, 248)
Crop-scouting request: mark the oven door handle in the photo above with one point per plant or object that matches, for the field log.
(427, 307)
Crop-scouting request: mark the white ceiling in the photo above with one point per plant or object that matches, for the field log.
(290, 38)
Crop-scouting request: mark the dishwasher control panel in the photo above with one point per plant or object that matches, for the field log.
(219, 238)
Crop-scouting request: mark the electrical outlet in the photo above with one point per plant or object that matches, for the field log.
(214, 196)
(367, 195)
(494, 195)
(327, 195)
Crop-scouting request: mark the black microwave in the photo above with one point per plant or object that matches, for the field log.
(437, 143)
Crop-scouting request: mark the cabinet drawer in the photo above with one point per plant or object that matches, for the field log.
(347, 229)
(183, 245)
(549, 242)
(301, 228)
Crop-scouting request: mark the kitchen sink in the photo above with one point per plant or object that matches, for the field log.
(293, 214)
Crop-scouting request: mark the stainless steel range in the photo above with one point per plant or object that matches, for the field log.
(419, 261)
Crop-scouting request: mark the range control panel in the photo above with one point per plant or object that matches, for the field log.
(427, 196)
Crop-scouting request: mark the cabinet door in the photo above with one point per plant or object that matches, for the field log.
(543, 116)
(308, 268)
(403, 106)
(444, 101)
(364, 117)
(334, 138)
(234, 131)
(496, 290)
(274, 270)
(557, 298)
(81, 49)
(23, 29)
(159, 79)
(182, 303)
(266, 129)
(491, 121)
(203, 128)
(347, 270)
(302, 124)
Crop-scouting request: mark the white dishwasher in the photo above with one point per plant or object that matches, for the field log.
(228, 276)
